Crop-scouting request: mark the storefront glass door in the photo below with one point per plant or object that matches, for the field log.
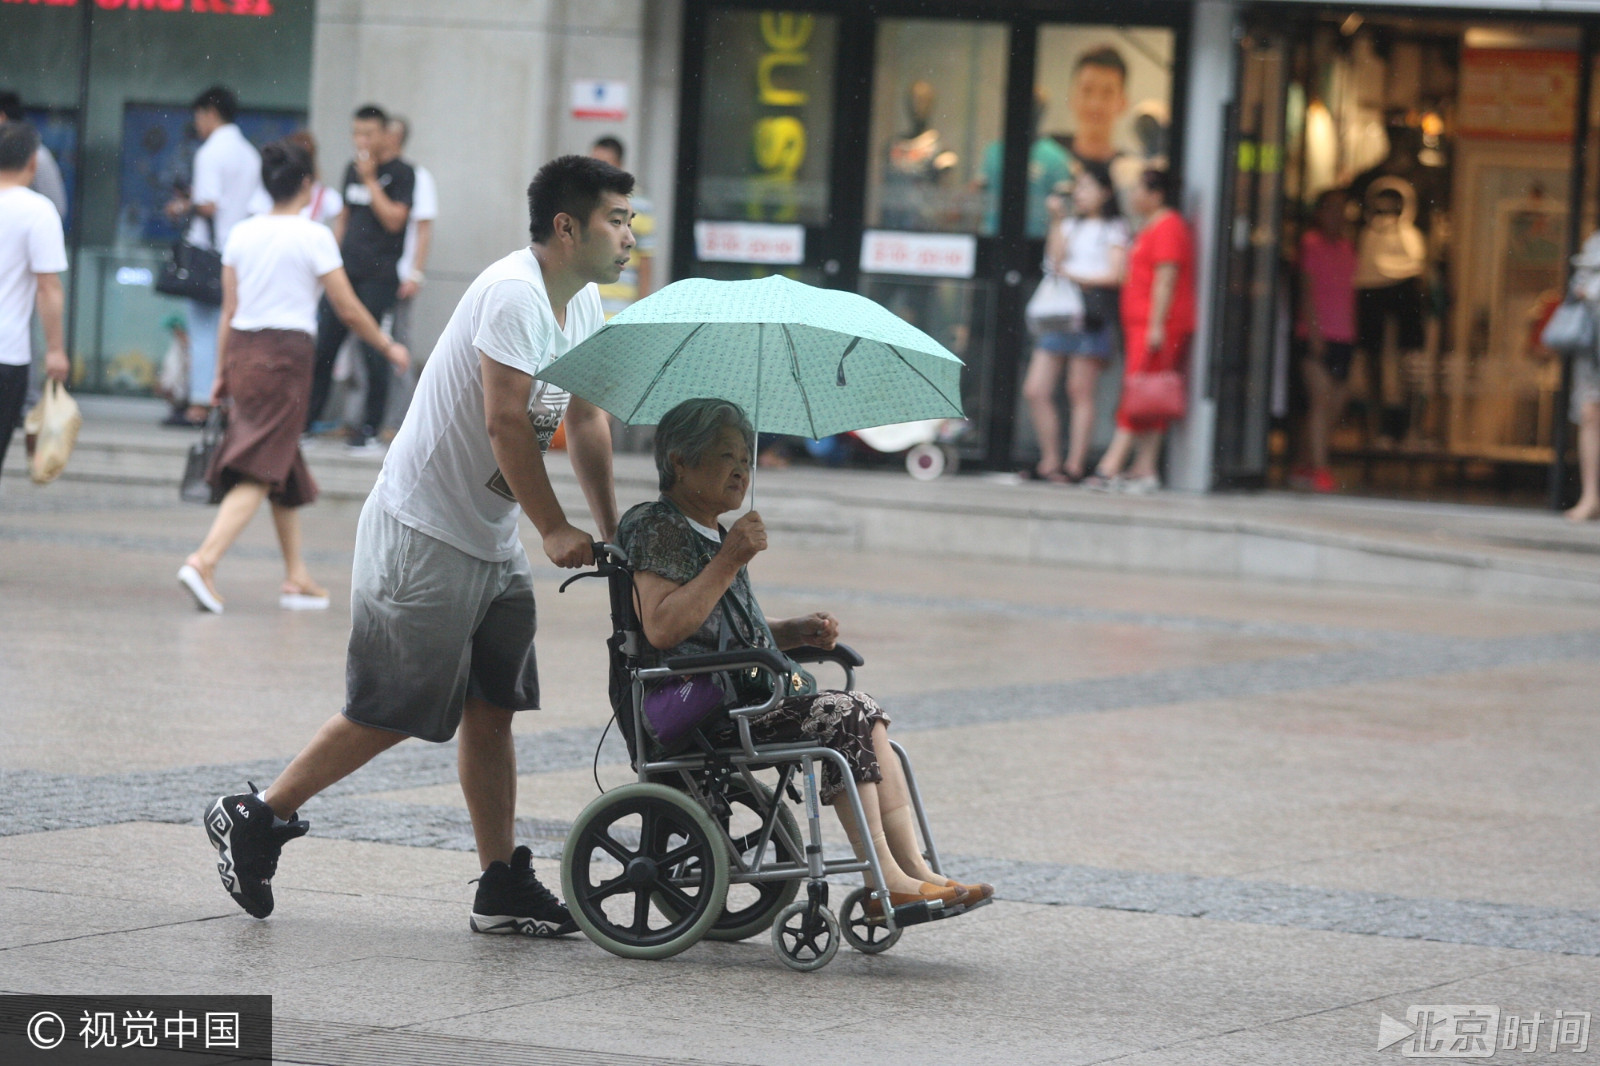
(933, 172)
(903, 157)
(1453, 144)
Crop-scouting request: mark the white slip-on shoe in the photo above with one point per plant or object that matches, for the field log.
(204, 598)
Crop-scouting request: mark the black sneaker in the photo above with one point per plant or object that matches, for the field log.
(511, 900)
(248, 843)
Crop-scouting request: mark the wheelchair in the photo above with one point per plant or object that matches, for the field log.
(701, 847)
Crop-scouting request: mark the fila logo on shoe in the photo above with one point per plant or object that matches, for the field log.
(244, 812)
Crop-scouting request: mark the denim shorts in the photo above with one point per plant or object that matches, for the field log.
(1094, 345)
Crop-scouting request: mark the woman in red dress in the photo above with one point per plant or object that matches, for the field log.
(1158, 319)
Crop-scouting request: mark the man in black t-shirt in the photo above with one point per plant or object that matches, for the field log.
(371, 231)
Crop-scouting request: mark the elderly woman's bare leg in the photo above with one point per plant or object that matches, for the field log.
(896, 880)
(894, 808)
(899, 820)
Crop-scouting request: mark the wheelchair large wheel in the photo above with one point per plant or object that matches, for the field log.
(633, 847)
(751, 906)
(805, 941)
(862, 933)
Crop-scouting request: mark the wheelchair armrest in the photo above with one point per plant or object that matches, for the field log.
(726, 660)
(843, 654)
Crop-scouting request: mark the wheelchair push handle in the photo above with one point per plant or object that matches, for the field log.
(607, 559)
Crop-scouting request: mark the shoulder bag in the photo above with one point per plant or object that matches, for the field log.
(193, 272)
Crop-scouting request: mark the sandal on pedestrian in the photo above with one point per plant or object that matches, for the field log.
(303, 597)
(198, 582)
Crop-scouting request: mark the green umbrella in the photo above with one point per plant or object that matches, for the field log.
(800, 360)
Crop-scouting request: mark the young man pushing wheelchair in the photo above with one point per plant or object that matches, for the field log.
(442, 607)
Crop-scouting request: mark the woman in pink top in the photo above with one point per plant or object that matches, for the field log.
(1326, 331)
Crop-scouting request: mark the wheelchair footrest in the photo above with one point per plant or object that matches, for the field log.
(922, 912)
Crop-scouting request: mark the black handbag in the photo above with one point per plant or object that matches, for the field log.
(192, 272)
(195, 487)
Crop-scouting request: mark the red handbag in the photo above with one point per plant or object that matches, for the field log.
(1154, 396)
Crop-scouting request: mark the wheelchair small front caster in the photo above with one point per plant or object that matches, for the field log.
(868, 936)
(805, 938)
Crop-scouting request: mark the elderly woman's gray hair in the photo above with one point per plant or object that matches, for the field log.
(690, 429)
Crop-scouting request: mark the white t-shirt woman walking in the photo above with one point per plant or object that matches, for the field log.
(274, 270)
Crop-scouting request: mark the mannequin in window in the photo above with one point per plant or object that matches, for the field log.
(1400, 199)
(1391, 257)
(917, 164)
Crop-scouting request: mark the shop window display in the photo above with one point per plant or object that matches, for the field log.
(1452, 140)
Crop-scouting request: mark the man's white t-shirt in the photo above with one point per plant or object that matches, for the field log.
(438, 473)
(280, 260)
(31, 243)
(227, 173)
(424, 208)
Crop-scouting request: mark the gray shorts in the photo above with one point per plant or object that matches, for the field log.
(431, 625)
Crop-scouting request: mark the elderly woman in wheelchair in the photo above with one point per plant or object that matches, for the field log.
(692, 603)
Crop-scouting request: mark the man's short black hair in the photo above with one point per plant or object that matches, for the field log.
(220, 99)
(1105, 57)
(612, 145)
(11, 106)
(373, 112)
(571, 185)
(19, 143)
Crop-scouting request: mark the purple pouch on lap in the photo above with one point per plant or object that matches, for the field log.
(677, 705)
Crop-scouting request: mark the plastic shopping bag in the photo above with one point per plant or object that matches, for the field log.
(53, 426)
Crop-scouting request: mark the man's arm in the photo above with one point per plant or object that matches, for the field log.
(506, 392)
(410, 286)
(50, 301)
(589, 448)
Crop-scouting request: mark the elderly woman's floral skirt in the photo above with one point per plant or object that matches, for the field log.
(842, 721)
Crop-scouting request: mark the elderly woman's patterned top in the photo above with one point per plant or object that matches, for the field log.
(660, 540)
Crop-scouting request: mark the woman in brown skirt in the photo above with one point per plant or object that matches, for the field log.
(274, 269)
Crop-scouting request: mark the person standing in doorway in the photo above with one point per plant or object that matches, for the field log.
(412, 270)
(371, 230)
(1325, 332)
(227, 177)
(1090, 250)
(33, 253)
(1158, 320)
(1584, 407)
(442, 592)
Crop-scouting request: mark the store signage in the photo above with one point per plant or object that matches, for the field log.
(749, 242)
(1522, 95)
(934, 255)
(780, 133)
(593, 98)
(252, 8)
